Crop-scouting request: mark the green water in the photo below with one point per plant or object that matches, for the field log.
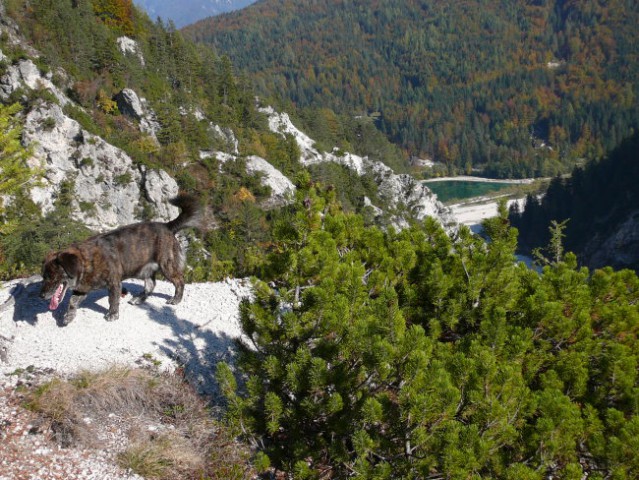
(459, 190)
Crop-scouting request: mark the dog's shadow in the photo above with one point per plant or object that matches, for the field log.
(197, 350)
(28, 304)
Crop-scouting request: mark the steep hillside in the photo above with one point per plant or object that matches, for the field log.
(601, 205)
(118, 113)
(362, 350)
(513, 88)
(185, 12)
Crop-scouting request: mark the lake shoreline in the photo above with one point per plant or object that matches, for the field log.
(468, 178)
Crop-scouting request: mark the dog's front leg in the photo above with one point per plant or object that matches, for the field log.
(114, 302)
(75, 300)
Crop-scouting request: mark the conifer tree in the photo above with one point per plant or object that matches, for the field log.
(15, 173)
(416, 354)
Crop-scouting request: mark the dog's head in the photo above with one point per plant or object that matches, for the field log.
(60, 271)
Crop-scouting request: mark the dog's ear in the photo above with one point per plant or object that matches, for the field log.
(71, 264)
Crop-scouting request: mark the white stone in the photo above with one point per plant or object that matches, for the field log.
(108, 186)
(282, 188)
(129, 46)
(396, 190)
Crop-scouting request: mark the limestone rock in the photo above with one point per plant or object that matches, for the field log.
(26, 74)
(403, 195)
(282, 188)
(129, 104)
(109, 190)
(128, 46)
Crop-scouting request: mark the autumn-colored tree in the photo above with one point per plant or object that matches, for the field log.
(117, 14)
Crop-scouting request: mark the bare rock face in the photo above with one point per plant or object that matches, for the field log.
(26, 74)
(403, 195)
(158, 186)
(131, 105)
(109, 190)
(619, 249)
(282, 189)
(403, 192)
(128, 46)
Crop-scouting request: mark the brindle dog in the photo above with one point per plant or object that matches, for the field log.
(103, 261)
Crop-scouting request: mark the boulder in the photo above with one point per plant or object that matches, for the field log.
(129, 104)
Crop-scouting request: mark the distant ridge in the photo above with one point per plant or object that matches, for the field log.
(515, 89)
(189, 11)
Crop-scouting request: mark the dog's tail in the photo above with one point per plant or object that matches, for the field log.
(190, 214)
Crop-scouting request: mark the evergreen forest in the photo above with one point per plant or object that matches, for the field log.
(420, 355)
(505, 88)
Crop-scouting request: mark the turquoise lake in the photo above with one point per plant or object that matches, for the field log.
(459, 190)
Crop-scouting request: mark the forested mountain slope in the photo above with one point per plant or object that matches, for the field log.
(601, 205)
(514, 88)
(120, 112)
(366, 351)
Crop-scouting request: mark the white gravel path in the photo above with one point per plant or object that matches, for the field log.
(195, 334)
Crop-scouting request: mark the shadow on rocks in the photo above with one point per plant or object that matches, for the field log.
(195, 349)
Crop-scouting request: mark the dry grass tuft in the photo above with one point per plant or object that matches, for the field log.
(155, 424)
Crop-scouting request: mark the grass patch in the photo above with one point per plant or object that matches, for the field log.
(167, 431)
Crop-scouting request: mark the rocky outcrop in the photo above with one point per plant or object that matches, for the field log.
(128, 46)
(404, 192)
(282, 189)
(129, 104)
(26, 74)
(618, 248)
(229, 141)
(403, 195)
(132, 106)
(109, 189)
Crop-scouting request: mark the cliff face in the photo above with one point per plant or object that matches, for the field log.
(619, 248)
(109, 190)
(402, 195)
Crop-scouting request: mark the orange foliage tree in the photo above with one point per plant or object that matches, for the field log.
(117, 14)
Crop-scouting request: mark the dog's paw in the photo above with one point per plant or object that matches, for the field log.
(137, 300)
(68, 318)
(111, 317)
(173, 301)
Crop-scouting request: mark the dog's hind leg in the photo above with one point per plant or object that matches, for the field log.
(178, 282)
(176, 277)
(172, 267)
(74, 302)
(179, 291)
